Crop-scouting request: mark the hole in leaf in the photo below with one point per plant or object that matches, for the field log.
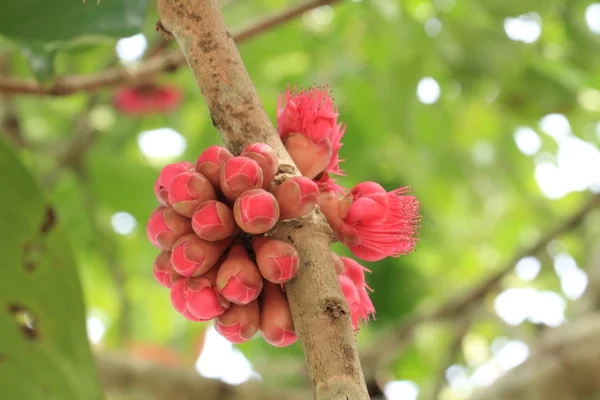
(25, 320)
(49, 220)
(32, 255)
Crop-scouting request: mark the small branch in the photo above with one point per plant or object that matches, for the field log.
(167, 62)
(320, 312)
(9, 120)
(461, 327)
(125, 374)
(563, 365)
(395, 341)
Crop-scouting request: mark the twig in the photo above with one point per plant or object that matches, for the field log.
(168, 61)
(395, 341)
(462, 327)
(320, 312)
(9, 120)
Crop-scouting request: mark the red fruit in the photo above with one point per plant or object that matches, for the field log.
(147, 98)
(213, 220)
(210, 161)
(238, 279)
(296, 197)
(277, 261)
(192, 256)
(197, 299)
(188, 190)
(165, 179)
(240, 323)
(256, 211)
(276, 322)
(165, 227)
(266, 158)
(238, 175)
(163, 270)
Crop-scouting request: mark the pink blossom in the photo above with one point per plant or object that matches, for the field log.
(311, 114)
(372, 222)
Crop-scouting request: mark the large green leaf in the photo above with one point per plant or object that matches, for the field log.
(44, 352)
(50, 21)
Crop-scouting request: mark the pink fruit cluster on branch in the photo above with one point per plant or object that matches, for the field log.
(213, 216)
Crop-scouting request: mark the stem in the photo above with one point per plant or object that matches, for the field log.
(320, 312)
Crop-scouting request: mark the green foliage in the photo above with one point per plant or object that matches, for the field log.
(47, 22)
(43, 350)
(479, 197)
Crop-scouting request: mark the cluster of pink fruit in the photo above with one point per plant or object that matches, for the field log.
(212, 218)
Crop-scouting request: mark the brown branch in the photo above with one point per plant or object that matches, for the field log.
(168, 61)
(395, 341)
(123, 374)
(563, 365)
(461, 328)
(320, 312)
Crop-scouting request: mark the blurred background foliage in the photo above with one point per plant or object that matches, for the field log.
(489, 110)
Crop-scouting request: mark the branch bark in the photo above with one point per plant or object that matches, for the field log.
(169, 61)
(123, 374)
(563, 366)
(320, 312)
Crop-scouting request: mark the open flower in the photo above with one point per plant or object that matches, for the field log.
(372, 222)
(307, 124)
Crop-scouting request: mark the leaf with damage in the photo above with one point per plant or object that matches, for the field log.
(43, 343)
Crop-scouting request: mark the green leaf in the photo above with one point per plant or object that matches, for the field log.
(58, 20)
(44, 352)
(41, 61)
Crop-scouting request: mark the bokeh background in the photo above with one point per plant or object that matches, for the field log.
(489, 110)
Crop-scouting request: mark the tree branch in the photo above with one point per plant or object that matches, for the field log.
(320, 312)
(563, 366)
(150, 381)
(169, 61)
(393, 342)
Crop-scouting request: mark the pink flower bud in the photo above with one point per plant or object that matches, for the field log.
(311, 158)
(165, 226)
(276, 322)
(163, 270)
(266, 158)
(297, 197)
(192, 256)
(240, 323)
(238, 279)
(197, 297)
(165, 179)
(210, 161)
(238, 175)
(277, 261)
(213, 221)
(256, 211)
(188, 190)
